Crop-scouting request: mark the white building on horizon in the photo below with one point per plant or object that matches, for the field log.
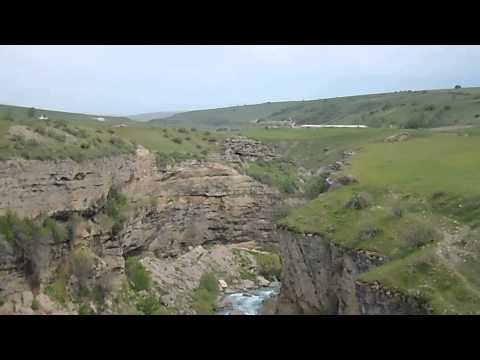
(334, 126)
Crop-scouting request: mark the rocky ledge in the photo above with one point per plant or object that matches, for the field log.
(242, 149)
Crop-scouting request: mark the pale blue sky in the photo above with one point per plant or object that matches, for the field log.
(137, 79)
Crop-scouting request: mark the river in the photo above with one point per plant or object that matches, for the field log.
(248, 302)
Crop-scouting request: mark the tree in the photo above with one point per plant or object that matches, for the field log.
(31, 113)
(8, 115)
(458, 87)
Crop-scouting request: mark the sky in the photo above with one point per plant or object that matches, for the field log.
(127, 80)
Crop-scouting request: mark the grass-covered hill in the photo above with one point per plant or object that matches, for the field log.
(10, 112)
(151, 116)
(416, 201)
(64, 137)
(231, 117)
(412, 109)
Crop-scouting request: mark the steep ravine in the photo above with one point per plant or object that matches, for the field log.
(173, 211)
(320, 277)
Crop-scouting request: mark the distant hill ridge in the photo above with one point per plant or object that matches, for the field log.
(412, 109)
(152, 116)
(22, 113)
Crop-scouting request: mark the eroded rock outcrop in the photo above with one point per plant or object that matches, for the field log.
(31, 187)
(242, 149)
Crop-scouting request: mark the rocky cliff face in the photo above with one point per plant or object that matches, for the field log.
(320, 277)
(31, 187)
(172, 209)
(195, 203)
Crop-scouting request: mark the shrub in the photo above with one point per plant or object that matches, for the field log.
(149, 304)
(40, 130)
(57, 291)
(359, 201)
(84, 310)
(117, 141)
(205, 296)
(182, 130)
(387, 106)
(287, 186)
(31, 113)
(315, 186)
(35, 304)
(8, 115)
(82, 265)
(177, 140)
(57, 232)
(73, 227)
(369, 232)
(32, 143)
(269, 265)
(30, 241)
(104, 287)
(280, 211)
(114, 203)
(447, 107)
(78, 156)
(429, 107)
(209, 282)
(419, 234)
(416, 122)
(137, 274)
(57, 136)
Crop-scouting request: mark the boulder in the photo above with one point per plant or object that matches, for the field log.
(262, 281)
(247, 284)
(222, 283)
(359, 201)
(398, 137)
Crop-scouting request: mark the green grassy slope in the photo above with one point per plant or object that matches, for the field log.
(423, 211)
(233, 117)
(81, 140)
(23, 113)
(432, 108)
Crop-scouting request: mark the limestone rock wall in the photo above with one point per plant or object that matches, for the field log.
(31, 187)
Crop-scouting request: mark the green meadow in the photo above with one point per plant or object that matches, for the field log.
(416, 196)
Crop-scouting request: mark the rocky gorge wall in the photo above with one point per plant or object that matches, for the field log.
(320, 277)
(171, 210)
(31, 187)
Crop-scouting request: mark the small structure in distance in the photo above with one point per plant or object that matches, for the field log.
(43, 117)
(99, 118)
(333, 126)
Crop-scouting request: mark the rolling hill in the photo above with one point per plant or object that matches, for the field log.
(233, 117)
(411, 109)
(10, 112)
(152, 116)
